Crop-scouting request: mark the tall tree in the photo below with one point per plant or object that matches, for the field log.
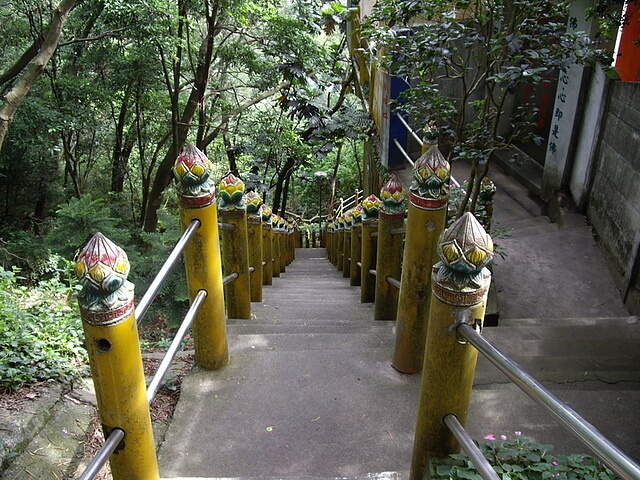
(27, 73)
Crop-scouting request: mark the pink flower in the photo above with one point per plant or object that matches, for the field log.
(491, 437)
(517, 434)
(503, 437)
(555, 464)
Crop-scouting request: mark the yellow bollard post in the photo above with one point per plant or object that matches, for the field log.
(370, 206)
(356, 247)
(192, 170)
(276, 244)
(389, 255)
(330, 236)
(460, 283)
(111, 335)
(340, 243)
(253, 201)
(282, 250)
(346, 246)
(426, 220)
(267, 245)
(235, 247)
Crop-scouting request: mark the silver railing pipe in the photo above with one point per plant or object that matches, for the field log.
(398, 231)
(403, 152)
(393, 281)
(410, 130)
(226, 227)
(171, 352)
(606, 451)
(108, 447)
(230, 278)
(373, 272)
(471, 449)
(167, 267)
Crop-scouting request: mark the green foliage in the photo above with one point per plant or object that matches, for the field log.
(521, 458)
(173, 298)
(78, 221)
(40, 333)
(467, 61)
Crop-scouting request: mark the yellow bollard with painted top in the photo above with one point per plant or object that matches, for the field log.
(235, 247)
(340, 243)
(276, 244)
(267, 245)
(196, 193)
(389, 254)
(370, 208)
(330, 239)
(111, 335)
(356, 247)
(426, 219)
(460, 284)
(253, 201)
(346, 244)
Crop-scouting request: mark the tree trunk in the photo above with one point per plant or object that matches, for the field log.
(34, 69)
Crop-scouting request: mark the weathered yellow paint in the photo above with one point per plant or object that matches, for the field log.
(346, 253)
(282, 240)
(388, 258)
(267, 254)
(255, 259)
(204, 272)
(356, 254)
(447, 380)
(368, 260)
(118, 376)
(339, 250)
(276, 252)
(235, 259)
(420, 254)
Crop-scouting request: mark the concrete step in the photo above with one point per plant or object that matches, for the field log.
(572, 353)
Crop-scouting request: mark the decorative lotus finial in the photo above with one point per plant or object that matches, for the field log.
(192, 171)
(464, 249)
(431, 175)
(487, 190)
(356, 215)
(231, 193)
(347, 219)
(370, 207)
(393, 196)
(430, 136)
(265, 211)
(253, 202)
(102, 269)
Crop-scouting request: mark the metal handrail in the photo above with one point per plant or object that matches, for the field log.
(393, 281)
(420, 142)
(171, 352)
(404, 152)
(605, 450)
(229, 227)
(471, 449)
(230, 278)
(167, 267)
(108, 447)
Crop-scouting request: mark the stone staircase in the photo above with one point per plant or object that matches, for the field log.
(309, 392)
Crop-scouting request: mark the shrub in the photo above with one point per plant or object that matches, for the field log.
(41, 334)
(521, 458)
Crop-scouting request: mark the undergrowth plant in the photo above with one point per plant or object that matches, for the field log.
(41, 334)
(517, 457)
